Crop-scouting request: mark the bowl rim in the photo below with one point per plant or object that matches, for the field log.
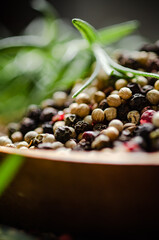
(89, 157)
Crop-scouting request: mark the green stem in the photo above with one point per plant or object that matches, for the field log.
(90, 80)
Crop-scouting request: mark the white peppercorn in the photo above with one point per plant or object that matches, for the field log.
(120, 83)
(22, 144)
(117, 124)
(153, 96)
(60, 98)
(114, 100)
(17, 137)
(56, 145)
(70, 144)
(125, 93)
(83, 98)
(4, 140)
(98, 115)
(39, 130)
(111, 132)
(155, 119)
(48, 138)
(133, 117)
(88, 119)
(114, 92)
(110, 113)
(100, 142)
(30, 136)
(10, 145)
(99, 96)
(73, 108)
(83, 110)
(140, 80)
(156, 85)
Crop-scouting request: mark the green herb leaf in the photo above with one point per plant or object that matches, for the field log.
(116, 32)
(87, 31)
(8, 170)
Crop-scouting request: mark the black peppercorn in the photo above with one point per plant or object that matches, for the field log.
(47, 128)
(83, 145)
(12, 127)
(134, 87)
(47, 114)
(99, 127)
(122, 111)
(27, 125)
(34, 112)
(82, 126)
(71, 120)
(63, 134)
(138, 102)
(146, 88)
(103, 104)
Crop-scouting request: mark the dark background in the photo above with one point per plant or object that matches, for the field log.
(16, 14)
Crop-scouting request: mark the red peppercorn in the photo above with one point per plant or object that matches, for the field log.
(131, 146)
(58, 117)
(146, 117)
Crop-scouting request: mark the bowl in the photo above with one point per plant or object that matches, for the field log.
(83, 193)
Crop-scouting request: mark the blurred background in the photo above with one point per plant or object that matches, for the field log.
(15, 15)
(38, 66)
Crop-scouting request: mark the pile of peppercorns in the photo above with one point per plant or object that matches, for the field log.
(109, 114)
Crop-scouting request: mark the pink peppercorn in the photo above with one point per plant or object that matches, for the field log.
(146, 117)
(58, 117)
(131, 146)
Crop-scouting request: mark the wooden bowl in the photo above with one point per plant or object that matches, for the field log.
(90, 193)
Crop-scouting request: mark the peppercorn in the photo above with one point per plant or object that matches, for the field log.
(110, 113)
(37, 140)
(58, 124)
(99, 127)
(98, 115)
(103, 104)
(90, 135)
(156, 85)
(27, 125)
(73, 108)
(142, 81)
(122, 111)
(56, 145)
(83, 110)
(45, 145)
(13, 127)
(70, 144)
(153, 96)
(83, 98)
(48, 103)
(48, 138)
(114, 100)
(71, 120)
(147, 116)
(99, 96)
(138, 102)
(134, 87)
(133, 116)
(125, 93)
(84, 145)
(155, 119)
(111, 132)
(4, 140)
(47, 128)
(63, 134)
(82, 126)
(117, 124)
(60, 98)
(47, 114)
(146, 88)
(22, 144)
(34, 112)
(30, 136)
(100, 142)
(88, 119)
(17, 137)
(120, 83)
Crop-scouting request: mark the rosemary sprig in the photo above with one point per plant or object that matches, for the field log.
(109, 65)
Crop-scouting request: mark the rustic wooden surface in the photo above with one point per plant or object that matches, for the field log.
(83, 193)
